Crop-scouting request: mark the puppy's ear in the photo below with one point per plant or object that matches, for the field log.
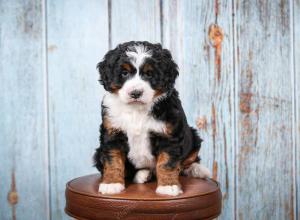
(106, 68)
(170, 68)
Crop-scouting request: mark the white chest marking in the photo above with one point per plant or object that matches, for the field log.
(135, 121)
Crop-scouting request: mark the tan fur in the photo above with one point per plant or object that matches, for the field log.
(114, 170)
(157, 93)
(169, 129)
(191, 158)
(147, 68)
(127, 67)
(114, 88)
(166, 175)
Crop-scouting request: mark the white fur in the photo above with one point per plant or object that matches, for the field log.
(135, 121)
(138, 54)
(111, 188)
(142, 176)
(197, 170)
(171, 190)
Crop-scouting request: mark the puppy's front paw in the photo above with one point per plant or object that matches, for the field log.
(171, 190)
(111, 188)
(142, 176)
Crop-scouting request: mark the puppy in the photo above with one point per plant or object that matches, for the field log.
(144, 130)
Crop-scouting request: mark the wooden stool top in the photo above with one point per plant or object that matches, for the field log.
(201, 199)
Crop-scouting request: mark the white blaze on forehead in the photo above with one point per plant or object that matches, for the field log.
(138, 54)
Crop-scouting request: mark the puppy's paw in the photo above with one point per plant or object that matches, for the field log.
(111, 188)
(171, 190)
(142, 176)
(197, 170)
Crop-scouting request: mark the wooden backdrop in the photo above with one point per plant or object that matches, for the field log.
(239, 82)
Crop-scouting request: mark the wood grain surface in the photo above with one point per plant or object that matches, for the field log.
(199, 34)
(77, 40)
(239, 84)
(264, 85)
(295, 25)
(23, 148)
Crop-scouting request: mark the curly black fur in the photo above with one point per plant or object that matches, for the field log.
(161, 59)
(183, 139)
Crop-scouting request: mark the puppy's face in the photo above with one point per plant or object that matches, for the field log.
(138, 72)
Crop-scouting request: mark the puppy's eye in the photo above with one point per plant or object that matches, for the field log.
(124, 73)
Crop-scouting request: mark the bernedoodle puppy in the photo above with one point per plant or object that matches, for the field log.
(144, 130)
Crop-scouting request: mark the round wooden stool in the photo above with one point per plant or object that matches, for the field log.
(201, 199)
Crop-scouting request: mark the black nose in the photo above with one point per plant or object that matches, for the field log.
(136, 94)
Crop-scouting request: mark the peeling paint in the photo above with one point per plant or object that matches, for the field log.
(206, 48)
(246, 96)
(216, 10)
(216, 36)
(215, 170)
(249, 107)
(284, 15)
(245, 102)
(290, 208)
(12, 196)
(214, 128)
(226, 164)
(243, 155)
(27, 20)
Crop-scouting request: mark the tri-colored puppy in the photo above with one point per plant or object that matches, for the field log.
(144, 130)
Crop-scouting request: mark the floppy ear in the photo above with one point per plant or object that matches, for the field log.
(170, 68)
(106, 68)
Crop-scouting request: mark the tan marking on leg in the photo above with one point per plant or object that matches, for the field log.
(191, 158)
(113, 171)
(166, 175)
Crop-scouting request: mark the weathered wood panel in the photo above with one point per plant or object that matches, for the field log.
(296, 47)
(23, 148)
(264, 110)
(241, 87)
(77, 40)
(135, 20)
(199, 33)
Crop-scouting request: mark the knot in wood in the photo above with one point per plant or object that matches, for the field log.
(216, 34)
(12, 197)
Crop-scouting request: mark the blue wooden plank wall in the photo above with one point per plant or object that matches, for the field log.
(239, 83)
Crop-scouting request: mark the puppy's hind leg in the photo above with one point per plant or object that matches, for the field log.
(197, 170)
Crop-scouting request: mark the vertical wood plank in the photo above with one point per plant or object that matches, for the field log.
(296, 46)
(205, 59)
(23, 148)
(135, 20)
(264, 110)
(77, 40)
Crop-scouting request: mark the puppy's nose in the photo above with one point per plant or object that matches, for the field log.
(136, 94)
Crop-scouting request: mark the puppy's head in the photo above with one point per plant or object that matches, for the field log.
(138, 72)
